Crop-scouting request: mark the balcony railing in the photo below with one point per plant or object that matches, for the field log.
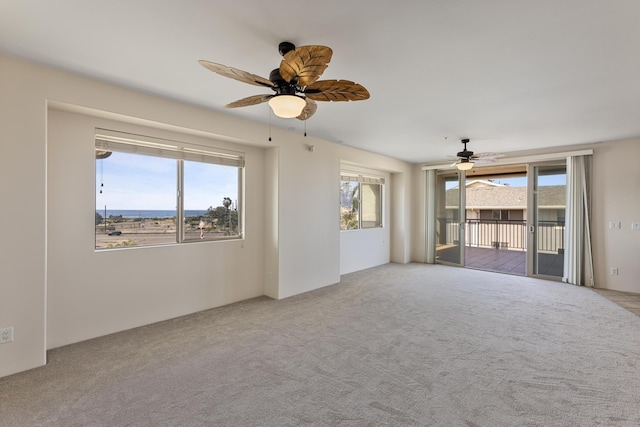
(507, 234)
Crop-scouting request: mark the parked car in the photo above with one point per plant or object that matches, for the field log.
(115, 233)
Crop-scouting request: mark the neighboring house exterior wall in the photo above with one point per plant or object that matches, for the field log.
(496, 215)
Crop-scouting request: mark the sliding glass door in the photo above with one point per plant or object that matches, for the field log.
(546, 219)
(534, 247)
(450, 218)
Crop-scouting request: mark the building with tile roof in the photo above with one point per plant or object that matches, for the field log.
(489, 200)
(496, 215)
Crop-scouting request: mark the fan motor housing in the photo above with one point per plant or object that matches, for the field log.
(465, 153)
(281, 86)
(276, 78)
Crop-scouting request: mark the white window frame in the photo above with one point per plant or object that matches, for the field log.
(366, 179)
(110, 140)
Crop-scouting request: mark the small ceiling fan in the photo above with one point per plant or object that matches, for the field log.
(466, 158)
(295, 82)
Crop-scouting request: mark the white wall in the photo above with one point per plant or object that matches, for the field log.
(366, 248)
(402, 232)
(360, 249)
(22, 215)
(309, 220)
(309, 246)
(271, 258)
(616, 198)
(296, 226)
(142, 285)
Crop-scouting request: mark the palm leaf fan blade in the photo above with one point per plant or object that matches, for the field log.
(308, 110)
(305, 65)
(236, 74)
(336, 91)
(251, 100)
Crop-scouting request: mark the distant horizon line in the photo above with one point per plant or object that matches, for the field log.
(149, 213)
(148, 210)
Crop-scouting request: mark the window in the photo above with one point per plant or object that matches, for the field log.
(516, 215)
(500, 214)
(497, 214)
(151, 192)
(360, 202)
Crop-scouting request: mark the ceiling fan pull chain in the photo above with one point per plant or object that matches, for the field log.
(305, 127)
(101, 175)
(269, 124)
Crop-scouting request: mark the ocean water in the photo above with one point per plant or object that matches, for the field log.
(133, 213)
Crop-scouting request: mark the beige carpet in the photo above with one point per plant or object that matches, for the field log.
(397, 345)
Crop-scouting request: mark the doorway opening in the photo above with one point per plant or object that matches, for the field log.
(496, 219)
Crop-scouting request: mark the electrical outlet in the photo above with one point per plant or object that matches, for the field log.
(635, 225)
(6, 335)
(615, 225)
(614, 271)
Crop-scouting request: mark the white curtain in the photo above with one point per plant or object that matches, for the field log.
(430, 207)
(577, 242)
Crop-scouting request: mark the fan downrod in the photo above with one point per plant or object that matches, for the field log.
(465, 153)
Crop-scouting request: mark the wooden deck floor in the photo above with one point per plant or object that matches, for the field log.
(505, 261)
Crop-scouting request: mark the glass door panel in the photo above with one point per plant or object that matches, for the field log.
(546, 220)
(450, 218)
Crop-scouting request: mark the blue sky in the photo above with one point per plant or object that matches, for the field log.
(145, 183)
(542, 180)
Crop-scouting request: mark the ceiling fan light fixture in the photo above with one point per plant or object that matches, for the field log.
(287, 106)
(464, 164)
(298, 74)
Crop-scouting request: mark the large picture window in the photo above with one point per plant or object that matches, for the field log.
(361, 202)
(151, 192)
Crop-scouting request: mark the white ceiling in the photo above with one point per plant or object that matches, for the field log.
(511, 75)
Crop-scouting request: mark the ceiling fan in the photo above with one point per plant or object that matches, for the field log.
(295, 82)
(466, 158)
